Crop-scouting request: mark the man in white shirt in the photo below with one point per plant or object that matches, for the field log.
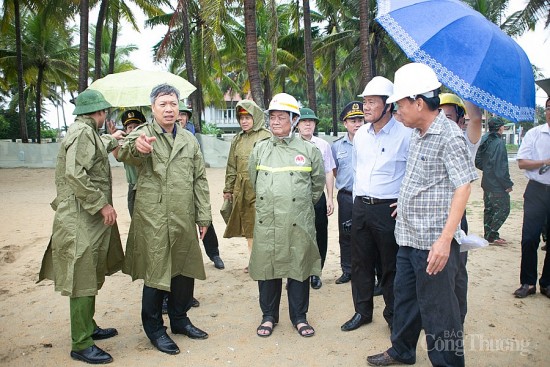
(534, 157)
(379, 159)
(325, 206)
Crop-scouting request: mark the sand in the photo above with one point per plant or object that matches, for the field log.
(34, 320)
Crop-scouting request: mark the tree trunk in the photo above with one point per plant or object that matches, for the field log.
(310, 76)
(99, 38)
(333, 94)
(83, 49)
(364, 22)
(114, 35)
(252, 52)
(20, 82)
(195, 96)
(38, 102)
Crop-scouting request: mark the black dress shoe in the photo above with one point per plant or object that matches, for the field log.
(195, 302)
(382, 359)
(316, 282)
(93, 355)
(356, 321)
(344, 278)
(525, 291)
(107, 333)
(166, 345)
(218, 262)
(192, 332)
(545, 291)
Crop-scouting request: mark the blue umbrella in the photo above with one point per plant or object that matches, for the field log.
(469, 54)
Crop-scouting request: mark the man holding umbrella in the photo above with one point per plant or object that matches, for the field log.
(431, 201)
(172, 200)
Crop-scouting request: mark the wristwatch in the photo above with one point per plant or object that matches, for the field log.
(543, 169)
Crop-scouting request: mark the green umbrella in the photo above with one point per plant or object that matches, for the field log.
(132, 88)
(544, 84)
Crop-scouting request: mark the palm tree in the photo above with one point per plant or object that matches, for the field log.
(12, 11)
(83, 50)
(364, 41)
(119, 9)
(252, 52)
(48, 55)
(308, 53)
(98, 37)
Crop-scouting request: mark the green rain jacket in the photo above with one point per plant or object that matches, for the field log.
(288, 176)
(237, 182)
(172, 198)
(82, 250)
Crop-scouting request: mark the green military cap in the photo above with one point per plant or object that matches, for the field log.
(308, 114)
(90, 101)
(184, 108)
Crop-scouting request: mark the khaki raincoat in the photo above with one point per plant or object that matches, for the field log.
(241, 221)
(172, 198)
(288, 176)
(82, 250)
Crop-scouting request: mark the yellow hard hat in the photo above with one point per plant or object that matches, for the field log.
(449, 98)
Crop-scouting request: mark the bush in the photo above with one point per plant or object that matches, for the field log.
(211, 129)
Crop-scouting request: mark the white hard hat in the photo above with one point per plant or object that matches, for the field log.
(284, 102)
(378, 86)
(413, 79)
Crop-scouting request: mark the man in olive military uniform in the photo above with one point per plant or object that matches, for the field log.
(85, 244)
(172, 200)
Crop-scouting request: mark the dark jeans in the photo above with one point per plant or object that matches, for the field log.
(427, 302)
(179, 302)
(345, 206)
(298, 299)
(536, 208)
(210, 243)
(497, 209)
(372, 236)
(321, 227)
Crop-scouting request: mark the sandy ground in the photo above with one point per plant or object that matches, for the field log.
(34, 320)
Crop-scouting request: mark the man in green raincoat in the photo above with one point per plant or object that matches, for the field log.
(237, 188)
(172, 199)
(288, 176)
(85, 244)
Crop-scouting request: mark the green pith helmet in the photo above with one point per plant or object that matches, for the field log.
(90, 101)
(183, 108)
(308, 114)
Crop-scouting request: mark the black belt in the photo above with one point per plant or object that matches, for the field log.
(345, 192)
(373, 201)
(540, 185)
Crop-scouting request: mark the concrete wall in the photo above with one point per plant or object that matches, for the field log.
(14, 155)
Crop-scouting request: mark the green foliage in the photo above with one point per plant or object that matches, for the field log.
(211, 129)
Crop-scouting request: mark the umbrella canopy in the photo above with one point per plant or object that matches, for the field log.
(545, 85)
(469, 54)
(132, 88)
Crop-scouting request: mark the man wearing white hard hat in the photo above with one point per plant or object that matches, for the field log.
(431, 201)
(288, 176)
(379, 157)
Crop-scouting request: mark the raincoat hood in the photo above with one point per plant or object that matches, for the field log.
(253, 109)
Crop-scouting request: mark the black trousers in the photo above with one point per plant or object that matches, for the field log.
(179, 302)
(372, 233)
(210, 243)
(536, 209)
(321, 226)
(461, 280)
(298, 299)
(345, 207)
